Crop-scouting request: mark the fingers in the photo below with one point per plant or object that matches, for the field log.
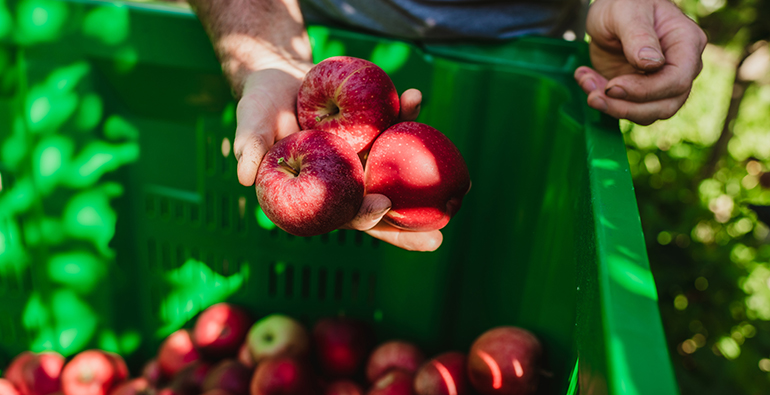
(408, 240)
(411, 100)
(254, 135)
(643, 113)
(372, 210)
(634, 25)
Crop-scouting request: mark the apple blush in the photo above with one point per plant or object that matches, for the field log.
(443, 375)
(505, 361)
(92, 372)
(176, 352)
(310, 183)
(350, 97)
(422, 173)
(395, 354)
(220, 330)
(341, 345)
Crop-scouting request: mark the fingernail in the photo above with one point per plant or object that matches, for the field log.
(651, 55)
(580, 73)
(616, 92)
(589, 86)
(598, 103)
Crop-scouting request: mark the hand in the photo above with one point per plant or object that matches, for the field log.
(646, 54)
(375, 206)
(266, 113)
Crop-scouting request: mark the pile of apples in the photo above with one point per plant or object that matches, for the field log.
(224, 354)
(351, 144)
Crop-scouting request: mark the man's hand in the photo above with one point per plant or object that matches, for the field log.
(646, 54)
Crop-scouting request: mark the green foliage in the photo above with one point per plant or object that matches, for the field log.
(709, 252)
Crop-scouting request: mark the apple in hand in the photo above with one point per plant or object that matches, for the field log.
(422, 173)
(350, 97)
(505, 361)
(7, 387)
(278, 335)
(176, 352)
(341, 345)
(284, 376)
(230, 376)
(220, 330)
(395, 382)
(310, 183)
(344, 387)
(443, 375)
(91, 372)
(394, 354)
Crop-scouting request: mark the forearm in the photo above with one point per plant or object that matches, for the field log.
(251, 35)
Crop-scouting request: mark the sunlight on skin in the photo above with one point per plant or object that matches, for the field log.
(497, 377)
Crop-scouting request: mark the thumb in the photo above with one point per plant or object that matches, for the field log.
(374, 207)
(641, 45)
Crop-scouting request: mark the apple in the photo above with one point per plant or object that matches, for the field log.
(344, 387)
(169, 391)
(395, 354)
(350, 97)
(91, 372)
(245, 357)
(395, 382)
(7, 387)
(152, 373)
(121, 370)
(505, 361)
(341, 345)
(14, 371)
(189, 380)
(228, 375)
(137, 386)
(284, 376)
(277, 335)
(220, 330)
(421, 172)
(310, 183)
(40, 374)
(176, 352)
(443, 375)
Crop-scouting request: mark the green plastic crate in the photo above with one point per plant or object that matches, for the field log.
(121, 216)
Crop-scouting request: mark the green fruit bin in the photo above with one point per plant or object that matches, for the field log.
(121, 216)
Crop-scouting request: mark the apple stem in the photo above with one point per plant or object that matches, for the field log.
(321, 117)
(287, 166)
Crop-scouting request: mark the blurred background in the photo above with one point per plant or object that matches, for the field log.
(702, 181)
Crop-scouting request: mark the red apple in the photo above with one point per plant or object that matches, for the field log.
(40, 375)
(341, 345)
(121, 370)
(176, 352)
(91, 372)
(395, 382)
(229, 375)
(350, 97)
(394, 354)
(7, 387)
(443, 375)
(14, 371)
(505, 361)
(152, 373)
(220, 330)
(344, 387)
(245, 357)
(278, 335)
(310, 183)
(421, 172)
(189, 380)
(169, 391)
(138, 386)
(284, 376)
